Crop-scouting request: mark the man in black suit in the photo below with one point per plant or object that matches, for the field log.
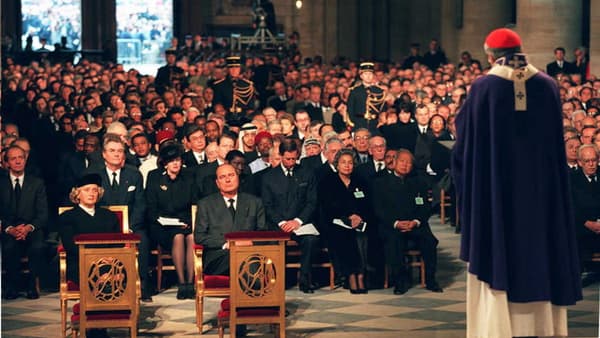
(560, 65)
(23, 213)
(196, 140)
(302, 123)
(290, 197)
(225, 211)
(375, 165)
(585, 192)
(169, 75)
(402, 210)
(313, 106)
(123, 185)
(226, 144)
(279, 100)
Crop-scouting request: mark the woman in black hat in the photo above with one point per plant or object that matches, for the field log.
(84, 218)
(169, 197)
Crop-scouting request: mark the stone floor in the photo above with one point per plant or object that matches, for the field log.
(325, 313)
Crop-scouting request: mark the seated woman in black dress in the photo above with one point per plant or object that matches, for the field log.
(84, 218)
(346, 207)
(169, 196)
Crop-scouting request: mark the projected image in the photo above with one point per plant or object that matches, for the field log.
(47, 23)
(144, 29)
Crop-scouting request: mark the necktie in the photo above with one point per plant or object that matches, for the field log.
(379, 166)
(114, 183)
(231, 208)
(289, 174)
(17, 191)
(592, 178)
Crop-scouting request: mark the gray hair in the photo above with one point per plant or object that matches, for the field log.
(586, 146)
(331, 141)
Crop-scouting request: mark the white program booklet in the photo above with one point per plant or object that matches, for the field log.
(170, 221)
(307, 229)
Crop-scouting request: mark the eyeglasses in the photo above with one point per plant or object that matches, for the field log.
(590, 160)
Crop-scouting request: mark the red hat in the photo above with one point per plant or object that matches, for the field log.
(164, 135)
(502, 38)
(261, 135)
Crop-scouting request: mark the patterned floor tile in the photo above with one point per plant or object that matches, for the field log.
(373, 310)
(436, 315)
(394, 323)
(380, 314)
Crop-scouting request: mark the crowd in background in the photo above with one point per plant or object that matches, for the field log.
(60, 113)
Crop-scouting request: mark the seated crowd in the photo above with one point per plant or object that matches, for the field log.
(118, 138)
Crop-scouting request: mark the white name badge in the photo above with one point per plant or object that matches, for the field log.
(359, 194)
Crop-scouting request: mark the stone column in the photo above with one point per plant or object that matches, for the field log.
(544, 25)
(595, 37)
(479, 18)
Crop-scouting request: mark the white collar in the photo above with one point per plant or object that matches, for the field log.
(13, 178)
(89, 211)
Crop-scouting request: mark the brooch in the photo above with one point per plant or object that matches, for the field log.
(163, 187)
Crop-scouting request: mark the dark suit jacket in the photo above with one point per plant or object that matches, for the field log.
(76, 221)
(130, 192)
(316, 114)
(394, 198)
(366, 172)
(200, 173)
(311, 162)
(400, 135)
(190, 160)
(33, 204)
(586, 202)
(276, 103)
(287, 198)
(568, 68)
(213, 219)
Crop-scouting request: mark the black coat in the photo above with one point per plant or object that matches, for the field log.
(287, 198)
(75, 222)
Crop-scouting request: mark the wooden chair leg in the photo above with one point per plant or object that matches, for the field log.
(331, 278)
(422, 272)
(281, 331)
(159, 270)
(221, 326)
(200, 313)
(385, 277)
(63, 317)
(443, 206)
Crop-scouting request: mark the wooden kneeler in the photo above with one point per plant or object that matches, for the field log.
(109, 282)
(257, 275)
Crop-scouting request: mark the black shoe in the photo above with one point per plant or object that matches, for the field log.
(191, 292)
(434, 287)
(10, 294)
(589, 279)
(355, 292)
(181, 291)
(363, 291)
(400, 288)
(306, 289)
(32, 294)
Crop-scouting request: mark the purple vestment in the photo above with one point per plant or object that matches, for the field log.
(510, 173)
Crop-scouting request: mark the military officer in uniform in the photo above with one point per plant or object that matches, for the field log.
(235, 93)
(170, 75)
(366, 99)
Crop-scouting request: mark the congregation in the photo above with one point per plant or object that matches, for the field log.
(359, 151)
